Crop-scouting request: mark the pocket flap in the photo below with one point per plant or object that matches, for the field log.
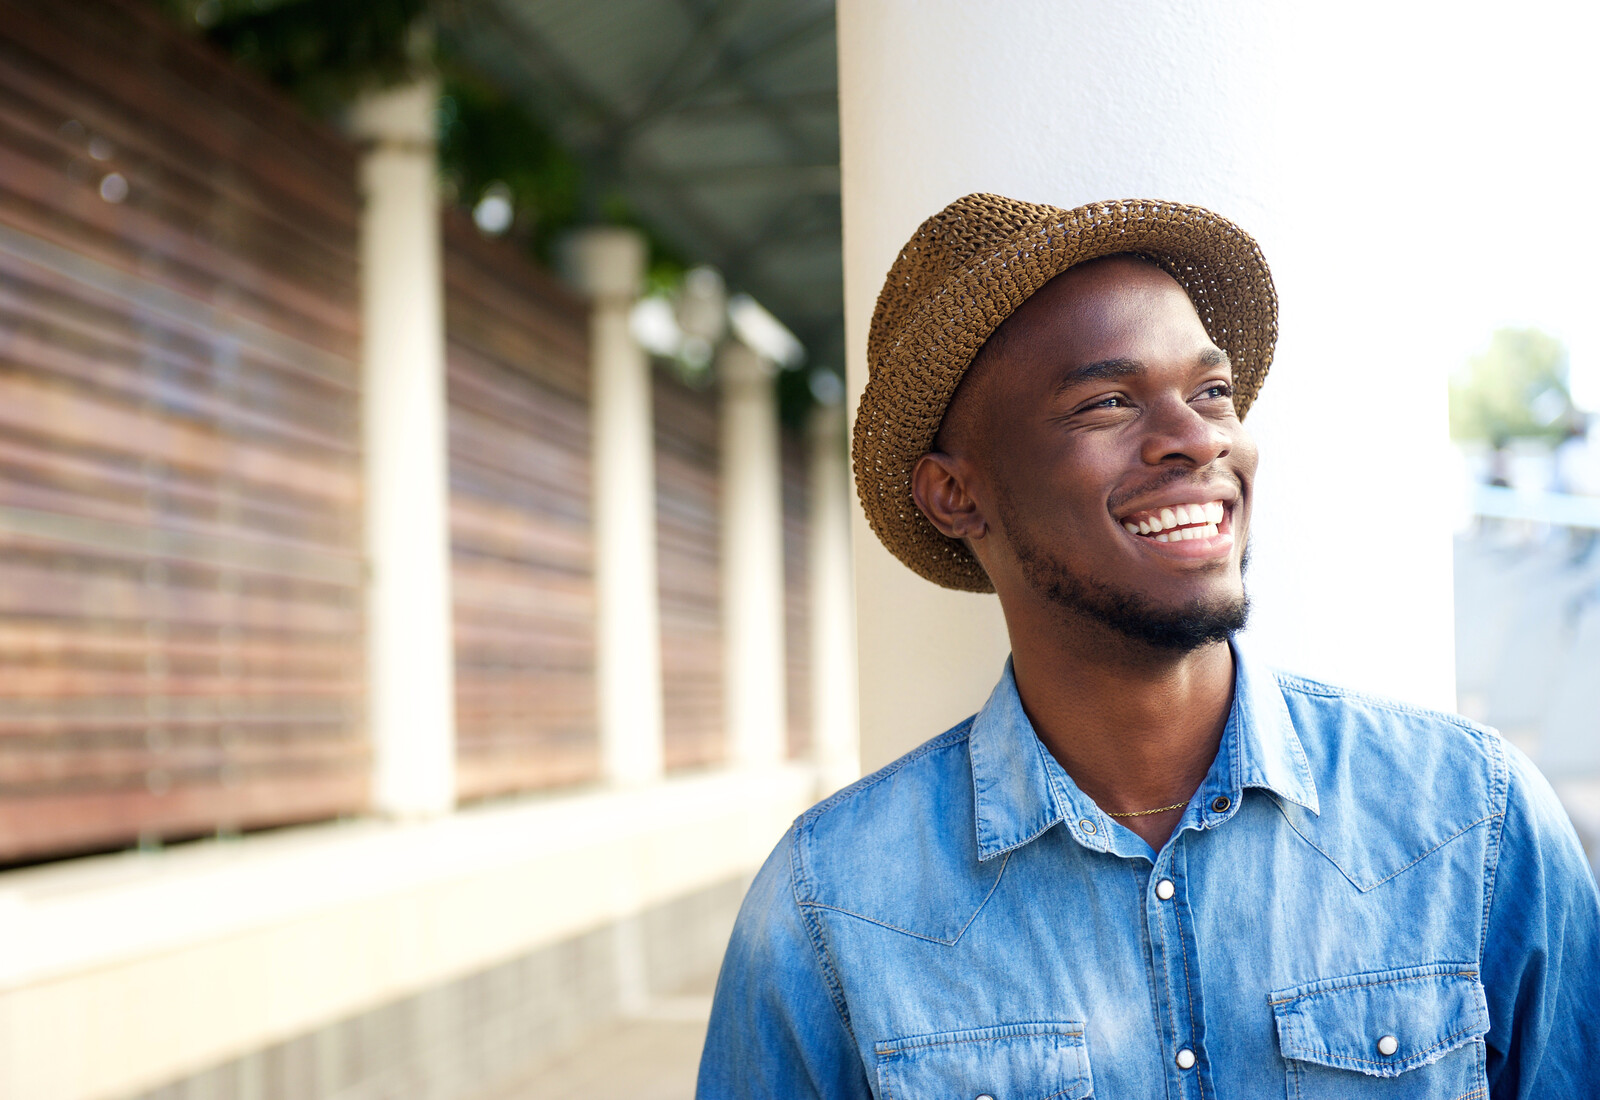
(1031, 1061)
(1382, 1024)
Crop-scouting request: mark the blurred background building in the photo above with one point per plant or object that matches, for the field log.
(430, 584)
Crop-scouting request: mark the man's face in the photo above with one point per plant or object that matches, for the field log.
(1103, 457)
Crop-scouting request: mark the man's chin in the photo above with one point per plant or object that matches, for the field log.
(1183, 630)
(1171, 629)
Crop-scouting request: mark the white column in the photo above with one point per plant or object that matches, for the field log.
(608, 264)
(410, 649)
(835, 735)
(1245, 108)
(752, 559)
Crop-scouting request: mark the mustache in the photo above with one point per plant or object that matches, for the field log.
(1173, 475)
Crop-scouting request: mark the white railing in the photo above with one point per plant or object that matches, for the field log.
(1535, 506)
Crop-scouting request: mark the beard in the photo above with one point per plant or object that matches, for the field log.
(1175, 630)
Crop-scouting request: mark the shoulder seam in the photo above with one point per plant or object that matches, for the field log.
(1290, 682)
(953, 735)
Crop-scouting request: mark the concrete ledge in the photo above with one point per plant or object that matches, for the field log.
(124, 972)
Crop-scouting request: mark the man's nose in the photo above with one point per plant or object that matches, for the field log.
(1178, 432)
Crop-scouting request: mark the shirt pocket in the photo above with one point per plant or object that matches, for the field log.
(1031, 1061)
(1415, 1032)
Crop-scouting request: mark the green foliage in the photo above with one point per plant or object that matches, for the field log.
(1517, 388)
(324, 52)
(486, 139)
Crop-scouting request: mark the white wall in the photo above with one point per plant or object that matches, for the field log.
(1364, 145)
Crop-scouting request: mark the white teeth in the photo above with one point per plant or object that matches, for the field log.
(1198, 520)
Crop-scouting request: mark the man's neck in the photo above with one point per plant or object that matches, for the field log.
(1136, 728)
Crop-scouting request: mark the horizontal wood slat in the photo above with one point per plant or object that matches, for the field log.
(797, 593)
(688, 532)
(522, 545)
(181, 571)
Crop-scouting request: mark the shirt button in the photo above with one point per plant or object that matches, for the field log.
(1087, 826)
(1164, 889)
(1387, 1045)
(1185, 1058)
(1221, 803)
(984, 1096)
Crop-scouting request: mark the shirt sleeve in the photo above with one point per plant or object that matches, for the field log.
(776, 1030)
(1542, 949)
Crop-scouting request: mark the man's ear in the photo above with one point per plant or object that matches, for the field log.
(939, 485)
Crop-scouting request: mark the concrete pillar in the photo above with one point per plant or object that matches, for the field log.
(752, 559)
(835, 736)
(1241, 108)
(410, 649)
(608, 264)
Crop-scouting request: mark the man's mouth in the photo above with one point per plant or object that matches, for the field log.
(1179, 523)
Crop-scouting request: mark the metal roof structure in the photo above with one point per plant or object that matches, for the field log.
(717, 120)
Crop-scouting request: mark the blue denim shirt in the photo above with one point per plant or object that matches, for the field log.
(1363, 899)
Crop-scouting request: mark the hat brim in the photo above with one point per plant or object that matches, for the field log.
(910, 386)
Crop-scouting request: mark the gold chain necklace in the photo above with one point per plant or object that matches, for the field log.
(1147, 813)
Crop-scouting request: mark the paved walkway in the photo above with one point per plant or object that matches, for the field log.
(652, 1056)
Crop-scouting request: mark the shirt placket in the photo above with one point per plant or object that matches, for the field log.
(1173, 961)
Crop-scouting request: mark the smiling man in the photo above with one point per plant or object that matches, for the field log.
(1149, 866)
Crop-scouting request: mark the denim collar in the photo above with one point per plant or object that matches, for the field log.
(1021, 790)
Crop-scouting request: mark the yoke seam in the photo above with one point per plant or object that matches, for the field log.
(1004, 862)
(1393, 874)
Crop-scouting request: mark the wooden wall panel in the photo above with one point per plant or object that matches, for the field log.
(522, 551)
(180, 570)
(797, 593)
(688, 532)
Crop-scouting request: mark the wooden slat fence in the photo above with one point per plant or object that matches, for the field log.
(180, 571)
(688, 534)
(522, 542)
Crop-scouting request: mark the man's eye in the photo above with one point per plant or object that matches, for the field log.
(1218, 389)
(1115, 401)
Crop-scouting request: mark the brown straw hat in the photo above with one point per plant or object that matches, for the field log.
(967, 269)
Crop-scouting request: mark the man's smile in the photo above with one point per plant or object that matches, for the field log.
(1194, 529)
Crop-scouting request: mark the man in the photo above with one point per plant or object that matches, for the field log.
(1148, 866)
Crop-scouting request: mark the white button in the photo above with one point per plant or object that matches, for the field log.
(1387, 1045)
(1087, 826)
(1185, 1058)
(984, 1096)
(1164, 889)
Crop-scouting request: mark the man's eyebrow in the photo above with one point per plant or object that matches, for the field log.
(1098, 371)
(1108, 369)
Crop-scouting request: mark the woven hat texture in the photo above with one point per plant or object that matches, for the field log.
(967, 269)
